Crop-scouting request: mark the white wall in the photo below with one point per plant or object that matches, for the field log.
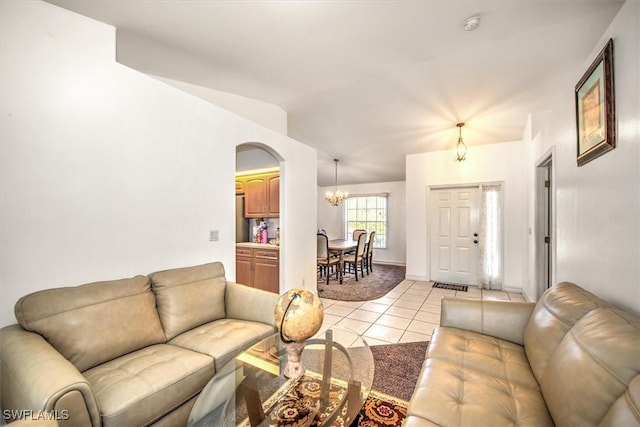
(598, 204)
(331, 218)
(108, 173)
(486, 163)
(263, 113)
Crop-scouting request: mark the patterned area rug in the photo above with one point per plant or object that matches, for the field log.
(392, 386)
(381, 280)
(451, 286)
(381, 410)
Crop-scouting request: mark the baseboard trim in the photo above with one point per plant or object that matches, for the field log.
(396, 263)
(526, 296)
(416, 278)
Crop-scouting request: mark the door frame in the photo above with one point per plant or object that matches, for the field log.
(544, 267)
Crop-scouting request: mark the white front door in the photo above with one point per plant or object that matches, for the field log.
(454, 235)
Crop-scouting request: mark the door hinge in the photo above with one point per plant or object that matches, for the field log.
(547, 239)
(547, 184)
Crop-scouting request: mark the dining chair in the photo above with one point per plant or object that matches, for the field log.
(357, 258)
(357, 232)
(325, 261)
(354, 236)
(368, 253)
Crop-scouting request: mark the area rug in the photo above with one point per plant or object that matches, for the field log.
(381, 280)
(381, 410)
(397, 367)
(451, 286)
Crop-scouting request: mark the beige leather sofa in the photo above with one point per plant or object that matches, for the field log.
(128, 352)
(570, 360)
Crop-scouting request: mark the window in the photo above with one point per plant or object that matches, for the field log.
(367, 213)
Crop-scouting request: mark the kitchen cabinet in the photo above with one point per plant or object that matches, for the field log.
(240, 183)
(262, 195)
(258, 268)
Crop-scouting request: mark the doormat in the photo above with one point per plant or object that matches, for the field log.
(451, 287)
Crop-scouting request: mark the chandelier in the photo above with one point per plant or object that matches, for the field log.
(461, 149)
(335, 197)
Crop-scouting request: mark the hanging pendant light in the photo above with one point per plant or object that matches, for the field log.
(461, 149)
(335, 197)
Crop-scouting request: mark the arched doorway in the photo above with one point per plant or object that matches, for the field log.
(258, 216)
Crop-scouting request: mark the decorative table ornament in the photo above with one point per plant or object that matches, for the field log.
(298, 316)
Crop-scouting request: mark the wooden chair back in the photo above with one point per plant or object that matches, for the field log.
(322, 242)
(357, 232)
(362, 239)
(372, 238)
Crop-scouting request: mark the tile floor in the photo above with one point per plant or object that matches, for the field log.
(409, 312)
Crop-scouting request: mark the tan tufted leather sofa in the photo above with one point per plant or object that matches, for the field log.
(127, 352)
(570, 360)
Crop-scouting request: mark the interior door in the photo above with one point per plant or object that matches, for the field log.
(454, 235)
(544, 227)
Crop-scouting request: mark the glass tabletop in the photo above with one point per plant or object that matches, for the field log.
(250, 390)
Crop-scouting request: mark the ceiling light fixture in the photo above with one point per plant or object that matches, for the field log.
(472, 23)
(336, 197)
(461, 149)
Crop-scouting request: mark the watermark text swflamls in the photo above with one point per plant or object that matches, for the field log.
(30, 414)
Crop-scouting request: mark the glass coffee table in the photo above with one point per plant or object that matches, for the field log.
(250, 390)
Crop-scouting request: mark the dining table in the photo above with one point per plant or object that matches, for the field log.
(342, 246)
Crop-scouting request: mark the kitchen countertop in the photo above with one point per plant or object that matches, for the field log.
(257, 245)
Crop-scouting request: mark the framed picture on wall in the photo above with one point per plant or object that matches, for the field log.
(595, 108)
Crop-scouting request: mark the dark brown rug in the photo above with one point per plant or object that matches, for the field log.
(381, 280)
(397, 367)
(381, 410)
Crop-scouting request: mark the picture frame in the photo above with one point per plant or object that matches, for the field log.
(595, 108)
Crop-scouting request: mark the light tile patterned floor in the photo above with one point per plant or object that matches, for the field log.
(408, 313)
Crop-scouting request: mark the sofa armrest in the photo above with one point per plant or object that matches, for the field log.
(37, 381)
(247, 303)
(501, 319)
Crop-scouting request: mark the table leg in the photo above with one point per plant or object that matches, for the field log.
(354, 403)
(254, 404)
(326, 369)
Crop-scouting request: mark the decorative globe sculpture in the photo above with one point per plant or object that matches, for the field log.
(298, 316)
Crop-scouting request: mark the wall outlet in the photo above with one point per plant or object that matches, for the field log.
(214, 235)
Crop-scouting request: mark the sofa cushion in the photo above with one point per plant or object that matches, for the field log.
(559, 308)
(592, 367)
(96, 322)
(626, 410)
(470, 379)
(140, 387)
(189, 297)
(499, 358)
(223, 339)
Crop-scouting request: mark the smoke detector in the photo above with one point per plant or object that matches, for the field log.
(472, 23)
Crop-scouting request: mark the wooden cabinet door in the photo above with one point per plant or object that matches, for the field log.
(266, 272)
(267, 275)
(244, 266)
(239, 186)
(255, 197)
(273, 184)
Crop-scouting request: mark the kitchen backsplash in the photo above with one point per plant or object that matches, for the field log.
(273, 225)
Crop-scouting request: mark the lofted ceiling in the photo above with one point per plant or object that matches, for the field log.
(368, 81)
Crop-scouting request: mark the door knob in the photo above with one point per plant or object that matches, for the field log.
(475, 241)
(475, 234)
